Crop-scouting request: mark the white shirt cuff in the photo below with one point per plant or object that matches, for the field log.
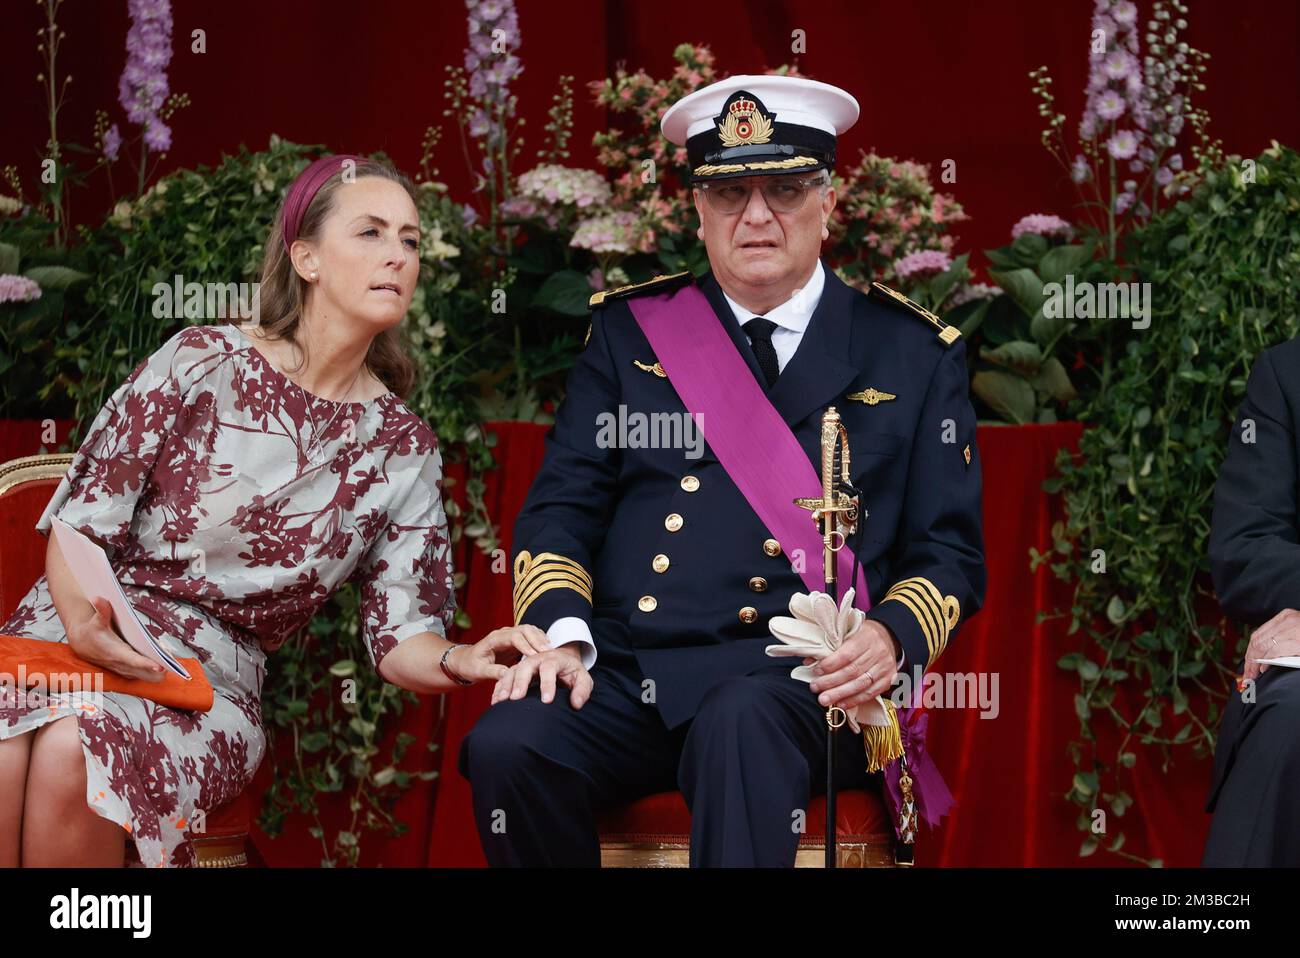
(573, 629)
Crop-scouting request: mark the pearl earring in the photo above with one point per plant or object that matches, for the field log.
(313, 276)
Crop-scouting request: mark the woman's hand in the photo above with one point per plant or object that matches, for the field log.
(489, 657)
(96, 642)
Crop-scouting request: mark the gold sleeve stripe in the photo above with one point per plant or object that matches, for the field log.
(558, 580)
(528, 565)
(536, 575)
(936, 613)
(926, 613)
(922, 617)
(547, 568)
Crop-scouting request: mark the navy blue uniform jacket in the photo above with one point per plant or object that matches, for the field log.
(669, 565)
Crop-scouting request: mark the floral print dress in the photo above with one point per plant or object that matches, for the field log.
(228, 527)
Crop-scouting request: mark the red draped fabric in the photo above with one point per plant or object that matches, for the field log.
(938, 80)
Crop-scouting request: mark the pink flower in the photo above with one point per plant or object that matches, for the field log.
(921, 264)
(1122, 145)
(18, 289)
(1042, 224)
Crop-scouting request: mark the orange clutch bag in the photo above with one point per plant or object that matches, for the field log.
(39, 659)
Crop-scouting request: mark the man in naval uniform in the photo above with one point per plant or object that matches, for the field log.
(650, 572)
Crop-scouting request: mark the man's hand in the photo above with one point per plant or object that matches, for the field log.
(860, 669)
(564, 663)
(1277, 637)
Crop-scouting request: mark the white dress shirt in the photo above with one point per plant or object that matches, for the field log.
(791, 318)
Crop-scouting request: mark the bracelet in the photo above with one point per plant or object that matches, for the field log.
(447, 670)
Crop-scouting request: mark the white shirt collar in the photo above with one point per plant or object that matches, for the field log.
(795, 312)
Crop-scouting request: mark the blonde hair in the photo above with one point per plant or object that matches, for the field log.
(283, 293)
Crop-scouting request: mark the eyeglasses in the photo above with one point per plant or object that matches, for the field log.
(783, 195)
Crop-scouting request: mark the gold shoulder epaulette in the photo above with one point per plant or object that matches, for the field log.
(663, 280)
(948, 334)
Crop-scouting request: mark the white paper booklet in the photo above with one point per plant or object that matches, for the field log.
(94, 574)
(1286, 661)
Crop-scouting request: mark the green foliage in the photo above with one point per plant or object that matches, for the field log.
(1224, 269)
(1019, 335)
(28, 330)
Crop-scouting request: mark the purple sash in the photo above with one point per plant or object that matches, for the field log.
(752, 441)
(770, 468)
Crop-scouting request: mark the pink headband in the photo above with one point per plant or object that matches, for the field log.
(304, 190)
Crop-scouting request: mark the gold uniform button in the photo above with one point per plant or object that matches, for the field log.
(660, 563)
(690, 483)
(673, 522)
(758, 584)
(772, 547)
(748, 614)
(647, 603)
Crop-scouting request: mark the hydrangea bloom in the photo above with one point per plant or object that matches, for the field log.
(611, 233)
(922, 263)
(969, 292)
(1042, 224)
(18, 289)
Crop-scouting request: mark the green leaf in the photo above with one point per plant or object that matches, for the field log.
(1046, 329)
(1008, 395)
(1054, 380)
(1023, 285)
(9, 258)
(975, 319)
(1115, 610)
(55, 277)
(1061, 261)
(1070, 661)
(1029, 248)
(1022, 356)
(565, 292)
(1085, 782)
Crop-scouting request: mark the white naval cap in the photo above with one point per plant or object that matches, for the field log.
(745, 125)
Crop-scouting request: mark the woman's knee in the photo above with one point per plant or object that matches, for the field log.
(57, 768)
(15, 753)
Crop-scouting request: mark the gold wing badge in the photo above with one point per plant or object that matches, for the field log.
(646, 368)
(871, 396)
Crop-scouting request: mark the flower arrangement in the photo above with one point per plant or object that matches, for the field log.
(1137, 107)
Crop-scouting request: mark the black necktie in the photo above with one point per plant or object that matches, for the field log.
(759, 331)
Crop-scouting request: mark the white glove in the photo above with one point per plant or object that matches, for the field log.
(817, 630)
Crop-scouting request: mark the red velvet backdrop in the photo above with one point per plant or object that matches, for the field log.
(937, 79)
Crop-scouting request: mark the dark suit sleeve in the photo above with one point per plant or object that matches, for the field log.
(938, 573)
(1254, 552)
(562, 525)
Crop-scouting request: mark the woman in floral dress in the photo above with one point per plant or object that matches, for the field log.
(233, 498)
